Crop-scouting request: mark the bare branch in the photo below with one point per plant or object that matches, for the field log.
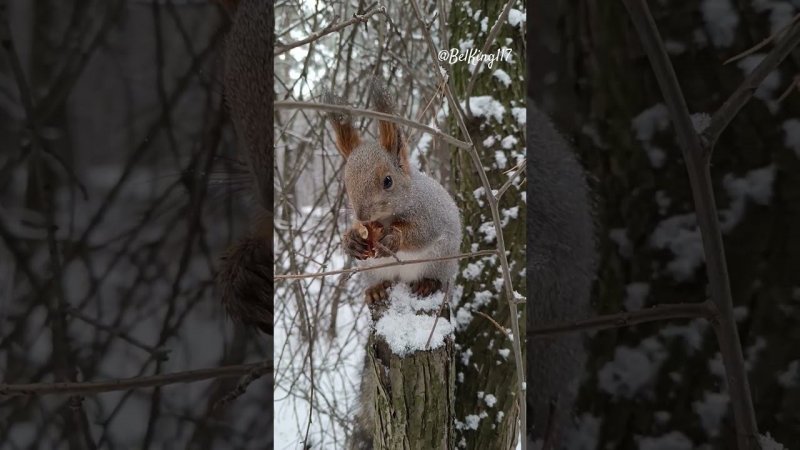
(705, 310)
(381, 266)
(725, 114)
(697, 164)
(286, 104)
(124, 384)
(357, 18)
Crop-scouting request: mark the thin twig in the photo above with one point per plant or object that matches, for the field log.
(124, 384)
(725, 114)
(494, 322)
(288, 104)
(705, 310)
(445, 301)
(381, 266)
(254, 374)
(357, 18)
(764, 42)
(520, 168)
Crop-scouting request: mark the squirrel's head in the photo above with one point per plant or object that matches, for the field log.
(377, 175)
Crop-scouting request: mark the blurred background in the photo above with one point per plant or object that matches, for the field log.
(661, 385)
(120, 187)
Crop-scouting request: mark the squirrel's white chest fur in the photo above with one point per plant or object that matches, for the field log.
(406, 273)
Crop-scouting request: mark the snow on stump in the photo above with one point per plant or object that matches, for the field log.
(413, 381)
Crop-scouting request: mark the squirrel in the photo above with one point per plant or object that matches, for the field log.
(400, 211)
(245, 275)
(561, 266)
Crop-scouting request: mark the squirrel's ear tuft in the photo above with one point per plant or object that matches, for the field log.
(347, 138)
(390, 135)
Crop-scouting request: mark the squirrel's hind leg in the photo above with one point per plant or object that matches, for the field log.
(378, 292)
(425, 286)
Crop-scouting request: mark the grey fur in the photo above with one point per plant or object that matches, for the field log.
(434, 221)
(433, 224)
(561, 267)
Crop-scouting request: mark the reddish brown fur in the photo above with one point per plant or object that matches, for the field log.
(347, 138)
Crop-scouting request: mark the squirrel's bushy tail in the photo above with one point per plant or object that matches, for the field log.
(561, 268)
(246, 273)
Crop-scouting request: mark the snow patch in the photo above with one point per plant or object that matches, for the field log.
(721, 21)
(768, 443)
(407, 332)
(502, 76)
(486, 106)
(516, 18)
(635, 295)
(674, 440)
(791, 128)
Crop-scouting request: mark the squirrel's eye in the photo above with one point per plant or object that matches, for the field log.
(387, 182)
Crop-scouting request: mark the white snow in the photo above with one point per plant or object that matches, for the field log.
(780, 12)
(516, 17)
(680, 235)
(656, 156)
(520, 114)
(484, 24)
(500, 159)
(407, 332)
(755, 186)
(791, 377)
(509, 141)
(632, 368)
(465, 45)
(490, 400)
(701, 121)
(620, 237)
(692, 333)
(473, 270)
(769, 85)
(674, 440)
(585, 434)
(471, 422)
(502, 76)
(721, 21)
(791, 128)
(663, 201)
(486, 106)
(635, 295)
(711, 410)
(768, 443)
(651, 120)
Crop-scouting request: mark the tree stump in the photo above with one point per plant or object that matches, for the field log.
(410, 385)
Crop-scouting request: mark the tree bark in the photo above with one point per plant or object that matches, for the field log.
(483, 370)
(412, 397)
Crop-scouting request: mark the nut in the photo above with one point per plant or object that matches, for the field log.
(363, 231)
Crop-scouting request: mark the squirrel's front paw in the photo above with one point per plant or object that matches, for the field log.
(389, 243)
(355, 245)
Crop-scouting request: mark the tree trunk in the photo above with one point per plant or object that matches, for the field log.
(487, 412)
(411, 395)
